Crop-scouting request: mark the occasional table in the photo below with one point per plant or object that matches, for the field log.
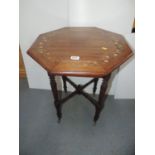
(81, 52)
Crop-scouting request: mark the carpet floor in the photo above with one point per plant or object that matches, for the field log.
(40, 134)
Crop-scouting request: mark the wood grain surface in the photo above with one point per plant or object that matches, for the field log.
(98, 51)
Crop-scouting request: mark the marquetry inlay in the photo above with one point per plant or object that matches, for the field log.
(83, 50)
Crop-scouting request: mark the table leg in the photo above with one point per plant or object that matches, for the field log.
(95, 85)
(79, 90)
(102, 97)
(64, 83)
(55, 95)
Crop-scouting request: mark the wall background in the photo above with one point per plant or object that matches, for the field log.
(37, 16)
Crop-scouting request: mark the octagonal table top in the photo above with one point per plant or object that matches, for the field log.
(80, 51)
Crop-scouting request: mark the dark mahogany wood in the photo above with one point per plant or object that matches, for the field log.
(64, 83)
(95, 85)
(102, 97)
(55, 95)
(98, 52)
(79, 90)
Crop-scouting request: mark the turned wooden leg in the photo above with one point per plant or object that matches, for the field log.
(55, 95)
(95, 85)
(64, 83)
(102, 97)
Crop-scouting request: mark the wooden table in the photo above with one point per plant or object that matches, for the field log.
(83, 52)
